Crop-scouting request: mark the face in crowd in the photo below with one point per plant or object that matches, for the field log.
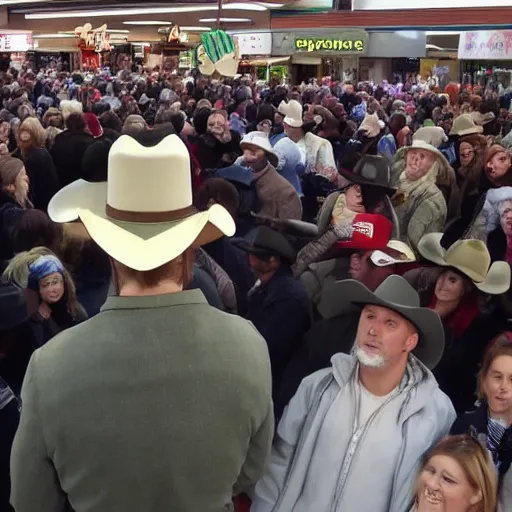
(418, 163)
(450, 287)
(51, 288)
(217, 125)
(253, 155)
(499, 164)
(506, 217)
(384, 338)
(354, 199)
(466, 154)
(496, 386)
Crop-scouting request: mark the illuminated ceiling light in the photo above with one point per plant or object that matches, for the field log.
(226, 20)
(148, 22)
(443, 33)
(269, 5)
(17, 2)
(196, 29)
(110, 31)
(53, 36)
(137, 12)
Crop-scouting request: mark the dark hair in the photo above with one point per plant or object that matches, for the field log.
(36, 229)
(111, 120)
(219, 191)
(76, 122)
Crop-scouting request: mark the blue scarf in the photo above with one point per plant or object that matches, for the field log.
(42, 267)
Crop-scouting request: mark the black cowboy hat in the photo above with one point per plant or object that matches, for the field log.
(264, 241)
(372, 171)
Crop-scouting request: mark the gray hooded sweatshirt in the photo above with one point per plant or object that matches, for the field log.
(377, 470)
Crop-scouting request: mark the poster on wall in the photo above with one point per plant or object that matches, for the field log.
(486, 45)
(258, 43)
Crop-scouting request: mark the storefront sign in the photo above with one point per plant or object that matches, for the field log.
(96, 39)
(310, 44)
(486, 45)
(15, 42)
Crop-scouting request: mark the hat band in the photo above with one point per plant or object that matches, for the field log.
(150, 217)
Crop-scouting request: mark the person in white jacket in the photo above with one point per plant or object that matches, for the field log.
(353, 436)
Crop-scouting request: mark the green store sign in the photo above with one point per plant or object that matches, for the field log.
(329, 44)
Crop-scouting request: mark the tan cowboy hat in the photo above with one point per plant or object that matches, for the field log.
(420, 144)
(395, 293)
(143, 215)
(383, 259)
(464, 125)
(260, 140)
(292, 112)
(470, 257)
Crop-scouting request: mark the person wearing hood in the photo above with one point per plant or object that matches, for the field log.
(420, 205)
(277, 196)
(14, 190)
(332, 430)
(454, 288)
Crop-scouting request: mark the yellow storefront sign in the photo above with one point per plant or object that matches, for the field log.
(309, 44)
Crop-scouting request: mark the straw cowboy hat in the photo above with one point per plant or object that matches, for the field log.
(465, 125)
(260, 140)
(292, 112)
(394, 293)
(472, 258)
(143, 215)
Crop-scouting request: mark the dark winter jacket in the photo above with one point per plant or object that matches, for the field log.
(213, 154)
(10, 213)
(67, 153)
(44, 181)
(281, 311)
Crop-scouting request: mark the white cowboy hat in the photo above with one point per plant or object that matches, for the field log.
(420, 144)
(292, 112)
(470, 257)
(143, 215)
(465, 125)
(260, 140)
(382, 259)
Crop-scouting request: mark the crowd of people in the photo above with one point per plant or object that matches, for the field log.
(226, 294)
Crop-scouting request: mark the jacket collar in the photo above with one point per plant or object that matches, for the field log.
(183, 298)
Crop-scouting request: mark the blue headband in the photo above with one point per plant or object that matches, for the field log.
(42, 267)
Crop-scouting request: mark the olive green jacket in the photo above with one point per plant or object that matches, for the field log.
(158, 403)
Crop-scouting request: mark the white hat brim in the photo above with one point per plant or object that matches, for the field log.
(139, 246)
(294, 123)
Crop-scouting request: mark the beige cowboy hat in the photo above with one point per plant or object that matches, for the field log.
(260, 140)
(292, 112)
(421, 144)
(470, 257)
(465, 125)
(383, 259)
(143, 215)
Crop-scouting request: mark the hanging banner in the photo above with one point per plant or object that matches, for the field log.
(486, 45)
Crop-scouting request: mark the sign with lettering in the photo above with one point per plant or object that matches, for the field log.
(329, 44)
(486, 45)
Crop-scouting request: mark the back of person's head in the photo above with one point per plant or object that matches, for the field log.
(474, 461)
(200, 119)
(76, 123)
(134, 124)
(164, 115)
(36, 229)
(111, 121)
(69, 107)
(53, 117)
(219, 191)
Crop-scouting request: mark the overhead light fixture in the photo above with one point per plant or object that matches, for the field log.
(269, 5)
(226, 20)
(443, 33)
(148, 22)
(110, 31)
(195, 29)
(53, 36)
(138, 11)
(14, 2)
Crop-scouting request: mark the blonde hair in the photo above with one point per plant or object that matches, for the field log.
(33, 127)
(479, 470)
(69, 107)
(18, 272)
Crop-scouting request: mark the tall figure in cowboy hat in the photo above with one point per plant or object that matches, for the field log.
(277, 196)
(145, 406)
(453, 288)
(353, 435)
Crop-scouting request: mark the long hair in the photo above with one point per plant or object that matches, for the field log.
(472, 457)
(33, 127)
(18, 271)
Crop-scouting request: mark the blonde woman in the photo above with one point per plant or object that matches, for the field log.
(41, 271)
(30, 138)
(456, 476)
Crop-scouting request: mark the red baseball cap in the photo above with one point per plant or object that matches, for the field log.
(371, 232)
